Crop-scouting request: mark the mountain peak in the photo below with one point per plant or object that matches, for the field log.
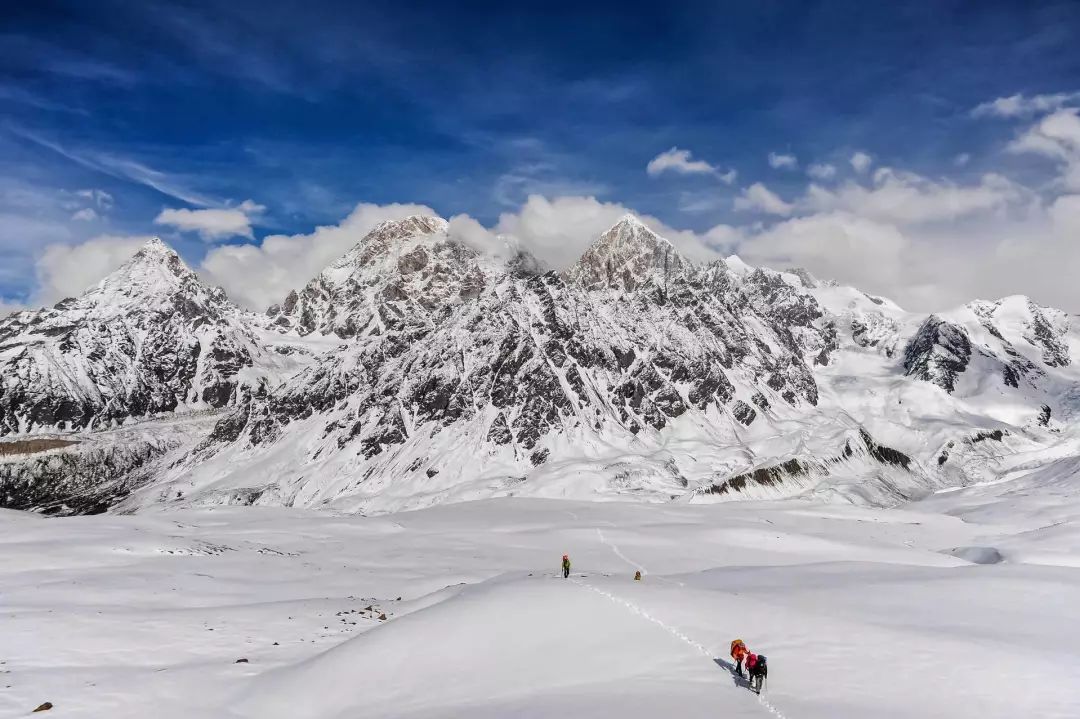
(149, 276)
(409, 226)
(155, 247)
(627, 256)
(631, 220)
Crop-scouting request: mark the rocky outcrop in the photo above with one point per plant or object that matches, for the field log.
(938, 353)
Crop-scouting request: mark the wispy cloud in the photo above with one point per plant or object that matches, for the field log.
(1024, 105)
(681, 162)
(861, 162)
(821, 171)
(21, 96)
(121, 168)
(678, 161)
(782, 161)
(512, 188)
(86, 214)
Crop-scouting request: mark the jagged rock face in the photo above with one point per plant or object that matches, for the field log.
(938, 353)
(457, 375)
(1048, 329)
(149, 338)
(627, 257)
(514, 371)
(403, 274)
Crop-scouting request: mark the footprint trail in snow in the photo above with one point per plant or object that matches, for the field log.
(674, 631)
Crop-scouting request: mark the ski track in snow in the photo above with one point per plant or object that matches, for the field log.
(674, 631)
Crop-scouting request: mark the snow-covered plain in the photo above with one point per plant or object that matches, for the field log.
(966, 604)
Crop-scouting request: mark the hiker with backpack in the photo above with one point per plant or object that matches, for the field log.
(757, 670)
(738, 653)
(565, 566)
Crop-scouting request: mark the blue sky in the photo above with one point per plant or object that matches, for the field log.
(115, 112)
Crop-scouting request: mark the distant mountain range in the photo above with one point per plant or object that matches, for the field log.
(417, 369)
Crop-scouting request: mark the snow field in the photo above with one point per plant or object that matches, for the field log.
(862, 612)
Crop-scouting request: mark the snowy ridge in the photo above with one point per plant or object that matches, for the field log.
(632, 374)
(635, 373)
(148, 339)
(402, 273)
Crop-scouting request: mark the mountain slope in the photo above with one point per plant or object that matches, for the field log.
(633, 373)
(402, 273)
(148, 339)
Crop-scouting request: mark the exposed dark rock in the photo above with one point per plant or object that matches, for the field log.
(883, 454)
(763, 476)
(938, 353)
(743, 412)
(1041, 333)
(997, 435)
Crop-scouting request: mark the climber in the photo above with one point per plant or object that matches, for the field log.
(738, 653)
(565, 565)
(757, 670)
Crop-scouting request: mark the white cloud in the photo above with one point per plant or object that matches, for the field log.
(215, 224)
(861, 162)
(759, 198)
(682, 162)
(821, 171)
(86, 214)
(1056, 136)
(832, 245)
(260, 275)
(68, 270)
(679, 161)
(557, 231)
(779, 161)
(962, 159)
(1023, 106)
(101, 199)
(906, 198)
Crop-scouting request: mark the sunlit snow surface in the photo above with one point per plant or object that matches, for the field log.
(964, 605)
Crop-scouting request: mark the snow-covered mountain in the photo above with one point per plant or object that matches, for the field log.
(403, 273)
(149, 338)
(634, 372)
